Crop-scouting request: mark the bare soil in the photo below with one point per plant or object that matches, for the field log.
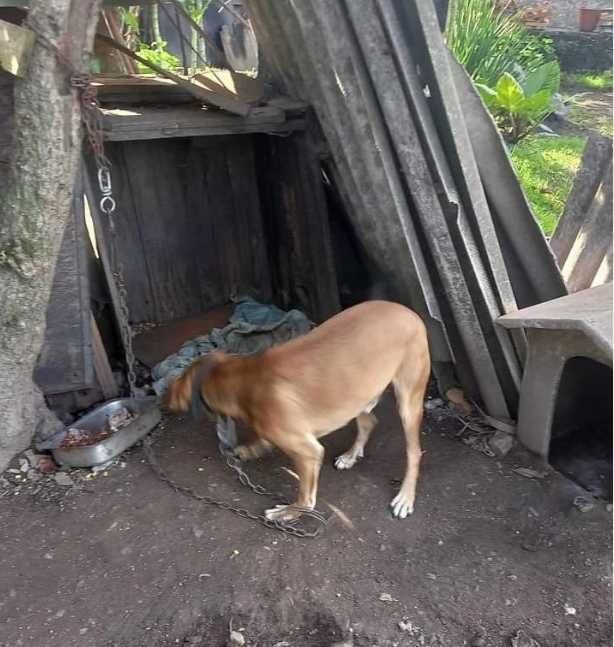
(123, 560)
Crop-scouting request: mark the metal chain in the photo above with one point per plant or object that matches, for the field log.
(108, 206)
(287, 528)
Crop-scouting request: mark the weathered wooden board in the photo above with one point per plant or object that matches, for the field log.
(7, 82)
(297, 226)
(146, 122)
(582, 241)
(66, 363)
(102, 367)
(190, 230)
(15, 47)
(223, 101)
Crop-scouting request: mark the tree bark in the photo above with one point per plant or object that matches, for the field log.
(35, 208)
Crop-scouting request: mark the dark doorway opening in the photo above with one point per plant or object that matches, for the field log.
(581, 445)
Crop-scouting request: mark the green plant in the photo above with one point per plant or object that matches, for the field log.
(488, 43)
(519, 104)
(158, 54)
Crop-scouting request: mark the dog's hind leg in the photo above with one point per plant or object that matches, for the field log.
(307, 455)
(365, 423)
(410, 387)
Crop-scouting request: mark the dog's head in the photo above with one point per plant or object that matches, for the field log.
(186, 392)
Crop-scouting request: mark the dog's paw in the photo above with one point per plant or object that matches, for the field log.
(345, 461)
(402, 506)
(283, 513)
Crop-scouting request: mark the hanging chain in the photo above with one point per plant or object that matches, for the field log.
(108, 206)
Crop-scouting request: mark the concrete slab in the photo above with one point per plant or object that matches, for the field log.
(588, 311)
(577, 325)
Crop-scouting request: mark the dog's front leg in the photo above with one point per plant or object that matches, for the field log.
(307, 455)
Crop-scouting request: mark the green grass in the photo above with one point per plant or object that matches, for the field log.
(589, 80)
(546, 167)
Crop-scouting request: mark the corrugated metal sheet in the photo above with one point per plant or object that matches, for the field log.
(385, 91)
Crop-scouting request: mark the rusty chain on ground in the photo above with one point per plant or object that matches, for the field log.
(234, 464)
(91, 116)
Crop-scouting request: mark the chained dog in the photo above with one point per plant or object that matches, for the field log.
(295, 393)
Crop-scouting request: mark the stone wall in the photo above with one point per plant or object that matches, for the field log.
(580, 52)
(564, 14)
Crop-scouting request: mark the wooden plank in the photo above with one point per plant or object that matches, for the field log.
(593, 241)
(147, 122)
(297, 228)
(65, 363)
(324, 288)
(101, 233)
(236, 85)
(595, 159)
(7, 83)
(102, 368)
(190, 226)
(16, 44)
(248, 217)
(200, 92)
(166, 239)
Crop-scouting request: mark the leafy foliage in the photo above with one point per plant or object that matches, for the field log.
(489, 43)
(520, 103)
(158, 54)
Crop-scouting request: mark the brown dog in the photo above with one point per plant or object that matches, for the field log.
(294, 393)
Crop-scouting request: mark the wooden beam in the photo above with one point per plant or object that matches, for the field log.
(198, 91)
(102, 368)
(146, 122)
(15, 48)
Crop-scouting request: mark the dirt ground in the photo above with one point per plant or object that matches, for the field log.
(122, 560)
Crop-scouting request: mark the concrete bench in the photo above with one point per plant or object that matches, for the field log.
(578, 325)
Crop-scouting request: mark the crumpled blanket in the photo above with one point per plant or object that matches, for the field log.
(253, 328)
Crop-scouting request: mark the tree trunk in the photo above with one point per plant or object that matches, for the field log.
(35, 208)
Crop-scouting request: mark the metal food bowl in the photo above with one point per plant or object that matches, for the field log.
(146, 417)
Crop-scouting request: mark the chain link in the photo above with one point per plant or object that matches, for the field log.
(108, 206)
(231, 461)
